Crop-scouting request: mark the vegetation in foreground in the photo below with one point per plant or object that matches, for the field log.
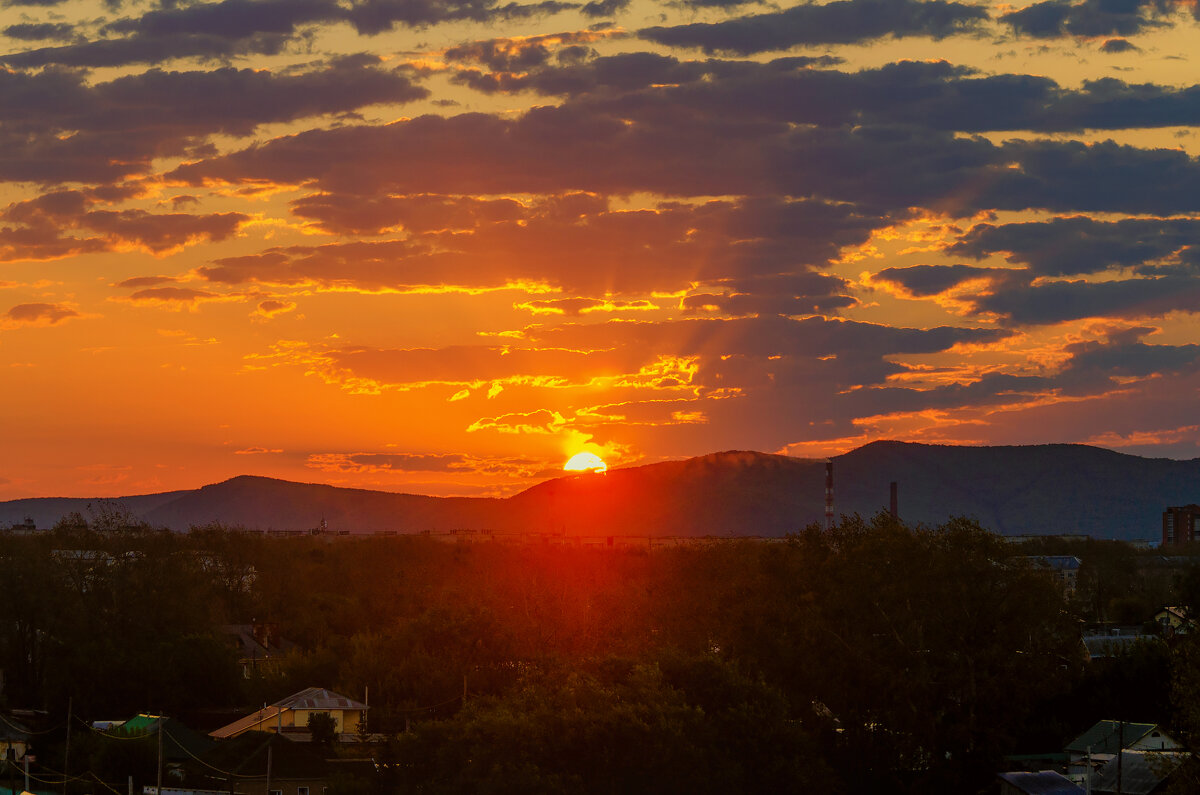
(869, 658)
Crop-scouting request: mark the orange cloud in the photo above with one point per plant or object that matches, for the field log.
(273, 308)
(541, 421)
(375, 463)
(175, 298)
(1144, 438)
(583, 306)
(571, 242)
(39, 314)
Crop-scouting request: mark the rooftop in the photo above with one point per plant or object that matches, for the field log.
(1108, 736)
(1140, 771)
(1045, 782)
(318, 698)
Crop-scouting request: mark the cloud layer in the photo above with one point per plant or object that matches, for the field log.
(448, 243)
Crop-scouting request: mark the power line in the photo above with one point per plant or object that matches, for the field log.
(178, 744)
(431, 706)
(213, 767)
(104, 784)
(106, 732)
(65, 779)
(62, 777)
(24, 730)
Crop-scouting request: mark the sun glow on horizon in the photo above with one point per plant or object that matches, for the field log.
(585, 462)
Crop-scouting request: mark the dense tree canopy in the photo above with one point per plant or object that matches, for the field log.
(869, 657)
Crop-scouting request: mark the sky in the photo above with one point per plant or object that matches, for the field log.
(439, 246)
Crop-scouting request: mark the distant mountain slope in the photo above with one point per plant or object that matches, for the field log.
(267, 503)
(1057, 488)
(731, 493)
(1012, 490)
(46, 511)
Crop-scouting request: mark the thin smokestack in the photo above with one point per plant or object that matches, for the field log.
(828, 494)
(895, 502)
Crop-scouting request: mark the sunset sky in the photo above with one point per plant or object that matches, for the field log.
(440, 246)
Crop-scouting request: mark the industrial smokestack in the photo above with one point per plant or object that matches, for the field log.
(895, 502)
(828, 494)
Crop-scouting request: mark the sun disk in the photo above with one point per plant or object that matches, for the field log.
(585, 462)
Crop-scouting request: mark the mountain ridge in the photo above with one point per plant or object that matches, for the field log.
(1012, 489)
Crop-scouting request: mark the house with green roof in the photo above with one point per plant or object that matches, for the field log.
(180, 742)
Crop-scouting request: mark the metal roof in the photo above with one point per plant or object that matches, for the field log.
(1107, 735)
(1112, 645)
(318, 698)
(1057, 562)
(1140, 771)
(141, 724)
(261, 719)
(180, 742)
(1044, 782)
(265, 719)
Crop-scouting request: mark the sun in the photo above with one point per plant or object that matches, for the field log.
(585, 462)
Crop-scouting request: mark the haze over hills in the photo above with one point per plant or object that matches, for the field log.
(1012, 490)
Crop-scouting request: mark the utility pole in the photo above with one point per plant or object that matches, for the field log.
(1120, 751)
(161, 721)
(67, 746)
(270, 748)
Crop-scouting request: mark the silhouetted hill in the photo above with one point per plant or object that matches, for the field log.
(46, 511)
(267, 503)
(1012, 490)
(731, 493)
(1053, 488)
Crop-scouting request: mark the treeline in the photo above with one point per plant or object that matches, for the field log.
(874, 657)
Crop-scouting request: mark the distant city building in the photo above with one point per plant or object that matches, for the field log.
(1064, 567)
(1024, 537)
(26, 528)
(1179, 524)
